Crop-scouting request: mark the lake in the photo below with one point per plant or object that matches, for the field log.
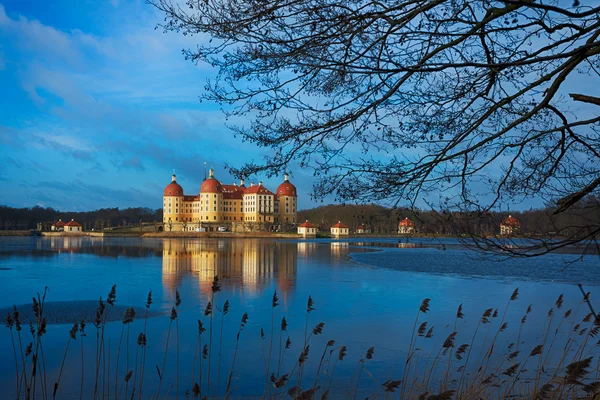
(366, 291)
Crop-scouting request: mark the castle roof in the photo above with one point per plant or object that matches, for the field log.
(339, 225)
(306, 224)
(258, 189)
(232, 192)
(406, 222)
(510, 221)
(173, 189)
(286, 189)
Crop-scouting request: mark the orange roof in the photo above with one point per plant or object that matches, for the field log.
(361, 227)
(286, 189)
(406, 222)
(339, 225)
(173, 189)
(306, 225)
(211, 185)
(232, 192)
(510, 221)
(72, 223)
(258, 189)
(59, 223)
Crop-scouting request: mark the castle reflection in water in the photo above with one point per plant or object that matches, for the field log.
(250, 265)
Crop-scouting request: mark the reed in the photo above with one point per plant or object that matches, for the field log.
(215, 288)
(224, 312)
(142, 341)
(237, 343)
(566, 366)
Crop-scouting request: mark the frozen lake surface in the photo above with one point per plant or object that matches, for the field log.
(366, 291)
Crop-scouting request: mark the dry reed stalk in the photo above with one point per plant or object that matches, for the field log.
(328, 345)
(161, 372)
(41, 331)
(274, 303)
(124, 384)
(224, 312)
(100, 322)
(143, 355)
(340, 357)
(72, 336)
(537, 350)
(588, 332)
(459, 315)
(37, 333)
(283, 327)
(9, 322)
(309, 308)
(425, 378)
(570, 340)
(127, 359)
(127, 319)
(81, 336)
(541, 360)
(106, 373)
(304, 354)
(424, 308)
(514, 296)
(18, 328)
(207, 312)
(523, 321)
(214, 289)
(484, 319)
(368, 356)
(135, 371)
(197, 349)
(177, 304)
(237, 342)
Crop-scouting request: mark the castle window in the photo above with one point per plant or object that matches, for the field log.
(215, 217)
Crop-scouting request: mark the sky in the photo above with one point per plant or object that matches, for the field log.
(98, 108)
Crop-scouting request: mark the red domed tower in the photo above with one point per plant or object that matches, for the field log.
(287, 199)
(509, 226)
(172, 203)
(406, 227)
(211, 199)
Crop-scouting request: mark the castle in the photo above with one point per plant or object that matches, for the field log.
(235, 207)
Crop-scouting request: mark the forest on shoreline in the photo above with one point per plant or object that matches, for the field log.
(378, 219)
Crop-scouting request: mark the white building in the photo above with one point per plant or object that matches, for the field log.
(306, 229)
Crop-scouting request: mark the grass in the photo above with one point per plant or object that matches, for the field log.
(473, 364)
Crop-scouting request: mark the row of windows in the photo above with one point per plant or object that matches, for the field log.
(206, 202)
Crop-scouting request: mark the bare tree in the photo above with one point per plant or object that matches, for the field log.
(466, 105)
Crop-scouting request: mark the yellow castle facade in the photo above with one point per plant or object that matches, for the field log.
(219, 206)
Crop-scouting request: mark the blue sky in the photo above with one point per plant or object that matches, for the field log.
(98, 108)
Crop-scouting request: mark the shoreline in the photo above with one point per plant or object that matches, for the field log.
(210, 235)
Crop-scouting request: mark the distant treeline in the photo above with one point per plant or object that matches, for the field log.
(576, 221)
(29, 218)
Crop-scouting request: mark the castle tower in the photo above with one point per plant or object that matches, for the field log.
(287, 198)
(211, 199)
(172, 205)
